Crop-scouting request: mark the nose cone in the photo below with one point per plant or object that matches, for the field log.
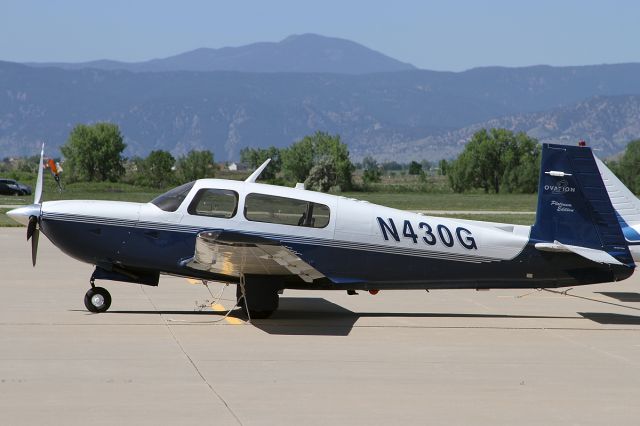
(22, 214)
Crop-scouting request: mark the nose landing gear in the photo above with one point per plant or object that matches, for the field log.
(97, 299)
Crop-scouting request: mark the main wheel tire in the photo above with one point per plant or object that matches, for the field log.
(97, 300)
(262, 296)
(260, 314)
(255, 313)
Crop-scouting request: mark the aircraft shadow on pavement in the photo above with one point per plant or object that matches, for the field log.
(308, 316)
(611, 319)
(154, 312)
(318, 316)
(622, 296)
(295, 316)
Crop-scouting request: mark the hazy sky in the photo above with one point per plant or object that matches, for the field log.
(442, 35)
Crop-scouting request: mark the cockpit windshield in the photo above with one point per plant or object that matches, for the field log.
(171, 200)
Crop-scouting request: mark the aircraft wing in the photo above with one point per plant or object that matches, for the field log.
(232, 253)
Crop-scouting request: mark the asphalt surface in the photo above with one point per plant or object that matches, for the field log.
(163, 356)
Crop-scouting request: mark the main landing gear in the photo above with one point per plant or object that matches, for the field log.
(257, 296)
(97, 299)
(261, 295)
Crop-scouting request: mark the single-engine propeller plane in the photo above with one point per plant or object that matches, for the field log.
(269, 238)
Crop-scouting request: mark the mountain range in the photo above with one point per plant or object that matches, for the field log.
(608, 123)
(275, 93)
(296, 53)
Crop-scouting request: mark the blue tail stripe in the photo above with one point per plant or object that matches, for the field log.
(630, 234)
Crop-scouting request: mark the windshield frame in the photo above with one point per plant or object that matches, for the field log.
(171, 200)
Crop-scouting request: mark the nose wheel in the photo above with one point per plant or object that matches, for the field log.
(97, 299)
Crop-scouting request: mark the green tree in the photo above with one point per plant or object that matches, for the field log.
(372, 171)
(254, 157)
(415, 168)
(322, 176)
(443, 165)
(94, 153)
(627, 167)
(320, 149)
(392, 165)
(156, 170)
(497, 160)
(195, 165)
(298, 159)
(521, 164)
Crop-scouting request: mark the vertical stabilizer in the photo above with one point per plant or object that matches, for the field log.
(574, 208)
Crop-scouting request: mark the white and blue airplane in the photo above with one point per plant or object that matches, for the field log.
(269, 238)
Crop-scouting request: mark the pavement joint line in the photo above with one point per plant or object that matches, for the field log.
(193, 364)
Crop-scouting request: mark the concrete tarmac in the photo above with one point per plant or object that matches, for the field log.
(163, 356)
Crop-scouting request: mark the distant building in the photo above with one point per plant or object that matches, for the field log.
(235, 167)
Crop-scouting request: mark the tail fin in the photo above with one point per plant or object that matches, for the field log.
(625, 203)
(574, 210)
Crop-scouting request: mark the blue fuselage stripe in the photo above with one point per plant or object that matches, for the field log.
(163, 248)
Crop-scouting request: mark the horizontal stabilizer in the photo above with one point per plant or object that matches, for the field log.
(594, 255)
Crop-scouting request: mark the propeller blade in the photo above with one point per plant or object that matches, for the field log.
(31, 227)
(34, 246)
(38, 192)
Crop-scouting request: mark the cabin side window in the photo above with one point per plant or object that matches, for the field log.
(221, 203)
(171, 200)
(285, 211)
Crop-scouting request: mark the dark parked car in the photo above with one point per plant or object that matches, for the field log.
(12, 187)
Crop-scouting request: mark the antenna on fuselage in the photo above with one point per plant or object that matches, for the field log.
(254, 175)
